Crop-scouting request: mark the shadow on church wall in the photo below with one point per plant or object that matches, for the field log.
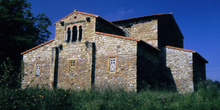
(93, 65)
(152, 72)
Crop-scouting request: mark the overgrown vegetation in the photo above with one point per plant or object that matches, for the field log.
(206, 98)
(45, 99)
(9, 77)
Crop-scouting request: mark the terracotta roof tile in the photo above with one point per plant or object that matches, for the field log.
(79, 13)
(181, 49)
(171, 47)
(37, 46)
(143, 17)
(118, 36)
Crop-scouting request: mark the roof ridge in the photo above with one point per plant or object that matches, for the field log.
(118, 36)
(144, 16)
(77, 12)
(37, 46)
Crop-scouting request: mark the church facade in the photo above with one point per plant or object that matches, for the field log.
(91, 52)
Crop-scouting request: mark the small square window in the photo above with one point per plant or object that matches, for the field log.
(112, 65)
(37, 69)
(72, 66)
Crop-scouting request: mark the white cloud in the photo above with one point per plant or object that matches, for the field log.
(118, 14)
(124, 12)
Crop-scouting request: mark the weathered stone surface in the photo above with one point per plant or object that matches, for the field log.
(125, 52)
(146, 31)
(181, 65)
(80, 20)
(85, 63)
(42, 56)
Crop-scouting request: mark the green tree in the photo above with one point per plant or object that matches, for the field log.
(20, 30)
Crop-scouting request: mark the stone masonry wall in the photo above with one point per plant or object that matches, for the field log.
(81, 79)
(78, 51)
(136, 61)
(181, 66)
(124, 51)
(146, 31)
(41, 55)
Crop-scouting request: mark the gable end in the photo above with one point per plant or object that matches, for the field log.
(37, 46)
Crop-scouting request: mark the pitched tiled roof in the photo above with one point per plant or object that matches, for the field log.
(37, 46)
(79, 13)
(143, 17)
(109, 22)
(118, 36)
(171, 47)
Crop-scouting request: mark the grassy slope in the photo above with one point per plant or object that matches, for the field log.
(30, 98)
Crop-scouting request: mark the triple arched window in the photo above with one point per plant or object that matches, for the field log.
(74, 34)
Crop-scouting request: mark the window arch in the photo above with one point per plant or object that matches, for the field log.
(80, 33)
(74, 34)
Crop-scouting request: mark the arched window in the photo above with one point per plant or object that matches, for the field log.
(68, 35)
(80, 33)
(74, 34)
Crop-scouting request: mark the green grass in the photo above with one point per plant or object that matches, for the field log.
(44, 99)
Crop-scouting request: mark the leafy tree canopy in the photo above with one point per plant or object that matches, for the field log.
(20, 29)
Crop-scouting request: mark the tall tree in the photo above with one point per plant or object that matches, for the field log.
(20, 29)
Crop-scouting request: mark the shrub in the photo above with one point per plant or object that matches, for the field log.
(9, 77)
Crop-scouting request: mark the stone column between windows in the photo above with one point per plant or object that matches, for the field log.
(77, 36)
(65, 36)
(81, 34)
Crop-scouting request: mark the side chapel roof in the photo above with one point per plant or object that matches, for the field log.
(186, 50)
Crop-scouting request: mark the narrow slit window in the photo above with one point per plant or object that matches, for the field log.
(80, 33)
(72, 66)
(74, 34)
(112, 65)
(37, 71)
(68, 35)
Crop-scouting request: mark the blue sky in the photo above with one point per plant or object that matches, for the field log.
(197, 19)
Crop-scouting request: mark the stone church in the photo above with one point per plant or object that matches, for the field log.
(90, 52)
